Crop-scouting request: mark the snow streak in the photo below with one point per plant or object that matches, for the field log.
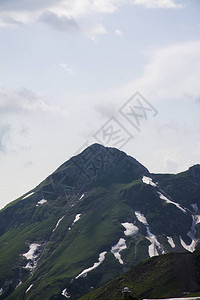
(96, 264)
(28, 289)
(155, 245)
(58, 223)
(116, 249)
(81, 197)
(171, 202)
(171, 242)
(43, 201)
(28, 195)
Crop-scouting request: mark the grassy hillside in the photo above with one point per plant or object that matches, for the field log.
(170, 275)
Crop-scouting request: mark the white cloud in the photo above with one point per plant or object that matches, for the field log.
(173, 72)
(118, 32)
(61, 23)
(174, 159)
(67, 68)
(96, 30)
(25, 100)
(51, 12)
(158, 3)
(64, 12)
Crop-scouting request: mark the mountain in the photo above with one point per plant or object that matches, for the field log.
(168, 275)
(97, 215)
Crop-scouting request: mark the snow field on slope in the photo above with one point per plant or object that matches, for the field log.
(32, 256)
(65, 294)
(95, 265)
(170, 202)
(155, 245)
(32, 250)
(131, 229)
(58, 223)
(116, 249)
(148, 180)
(77, 217)
(191, 234)
(41, 202)
(171, 241)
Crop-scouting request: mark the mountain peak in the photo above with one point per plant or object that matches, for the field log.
(100, 164)
(91, 220)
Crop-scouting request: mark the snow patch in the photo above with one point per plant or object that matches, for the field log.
(81, 197)
(58, 223)
(191, 234)
(116, 249)
(141, 218)
(190, 247)
(41, 202)
(96, 264)
(76, 218)
(1, 291)
(28, 195)
(65, 294)
(32, 256)
(155, 245)
(31, 253)
(171, 202)
(148, 180)
(171, 242)
(20, 282)
(28, 289)
(131, 229)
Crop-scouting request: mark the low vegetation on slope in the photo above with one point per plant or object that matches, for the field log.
(170, 275)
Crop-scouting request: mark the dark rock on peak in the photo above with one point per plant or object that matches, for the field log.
(195, 171)
(99, 165)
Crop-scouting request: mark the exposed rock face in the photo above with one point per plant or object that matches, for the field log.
(98, 165)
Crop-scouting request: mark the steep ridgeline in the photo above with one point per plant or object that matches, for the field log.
(97, 215)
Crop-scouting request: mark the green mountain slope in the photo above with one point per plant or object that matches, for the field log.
(170, 275)
(97, 215)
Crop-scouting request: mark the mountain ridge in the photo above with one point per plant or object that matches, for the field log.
(97, 215)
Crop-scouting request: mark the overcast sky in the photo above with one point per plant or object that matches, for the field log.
(70, 71)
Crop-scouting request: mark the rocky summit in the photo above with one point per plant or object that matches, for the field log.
(97, 215)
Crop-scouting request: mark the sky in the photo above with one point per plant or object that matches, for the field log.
(123, 73)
